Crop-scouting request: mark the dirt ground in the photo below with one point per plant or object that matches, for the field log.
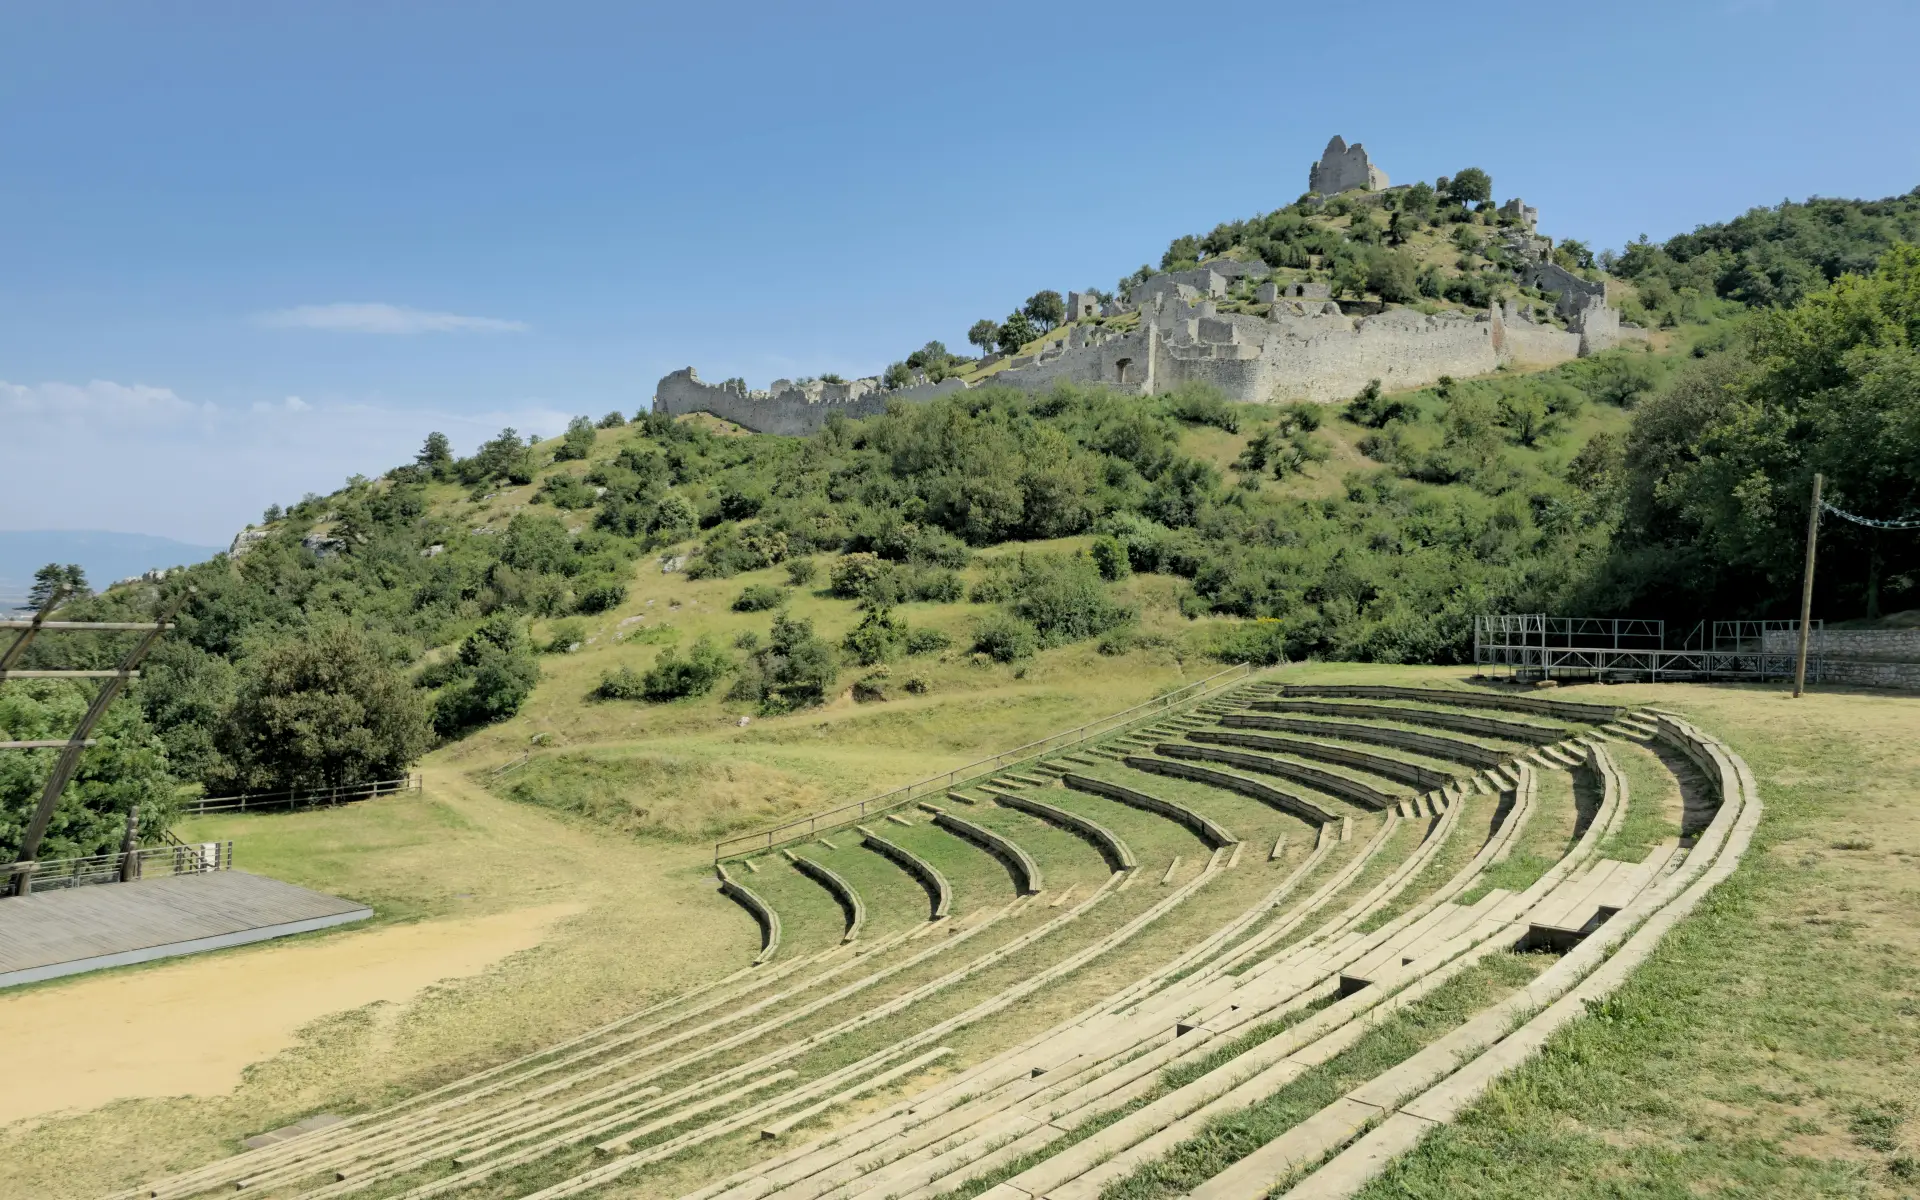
(192, 1027)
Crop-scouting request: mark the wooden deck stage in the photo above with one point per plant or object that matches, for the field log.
(49, 934)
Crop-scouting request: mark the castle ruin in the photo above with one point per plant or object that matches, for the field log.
(1342, 168)
(1306, 347)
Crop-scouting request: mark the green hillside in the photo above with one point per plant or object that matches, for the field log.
(994, 564)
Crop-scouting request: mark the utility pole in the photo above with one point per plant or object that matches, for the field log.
(1806, 586)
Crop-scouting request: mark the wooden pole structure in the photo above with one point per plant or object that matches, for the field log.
(130, 848)
(1806, 586)
(69, 760)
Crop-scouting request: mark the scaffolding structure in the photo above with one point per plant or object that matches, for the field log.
(1536, 646)
(19, 876)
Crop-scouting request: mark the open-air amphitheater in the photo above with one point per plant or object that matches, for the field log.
(954, 992)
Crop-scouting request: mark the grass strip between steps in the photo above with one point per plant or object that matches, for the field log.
(1233, 1136)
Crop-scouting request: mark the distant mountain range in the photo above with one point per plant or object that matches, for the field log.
(105, 556)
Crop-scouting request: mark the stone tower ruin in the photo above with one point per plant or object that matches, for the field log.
(1342, 168)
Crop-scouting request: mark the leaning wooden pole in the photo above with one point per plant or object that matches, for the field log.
(1806, 586)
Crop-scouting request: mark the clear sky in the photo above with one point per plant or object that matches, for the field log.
(247, 249)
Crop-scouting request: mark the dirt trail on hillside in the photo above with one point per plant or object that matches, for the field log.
(192, 1027)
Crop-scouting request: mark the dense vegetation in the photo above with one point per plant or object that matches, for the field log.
(359, 627)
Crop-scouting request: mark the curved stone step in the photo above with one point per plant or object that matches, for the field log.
(1116, 851)
(1210, 831)
(842, 892)
(1566, 710)
(1424, 778)
(1452, 749)
(1515, 731)
(1026, 871)
(759, 909)
(1286, 802)
(1365, 795)
(929, 876)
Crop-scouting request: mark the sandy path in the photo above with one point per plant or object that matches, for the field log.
(191, 1027)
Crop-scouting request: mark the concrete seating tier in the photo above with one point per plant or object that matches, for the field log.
(760, 910)
(1566, 710)
(842, 891)
(1118, 854)
(1286, 802)
(1352, 934)
(1412, 774)
(939, 891)
(1513, 731)
(1352, 790)
(1026, 872)
(1211, 832)
(1433, 746)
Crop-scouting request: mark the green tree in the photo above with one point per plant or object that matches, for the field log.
(69, 581)
(1045, 309)
(577, 442)
(436, 456)
(984, 334)
(877, 638)
(126, 769)
(1470, 186)
(795, 669)
(1016, 331)
(672, 677)
(492, 676)
(898, 375)
(322, 710)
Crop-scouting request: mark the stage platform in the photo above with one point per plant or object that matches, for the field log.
(54, 933)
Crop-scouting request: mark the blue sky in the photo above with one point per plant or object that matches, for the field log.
(251, 248)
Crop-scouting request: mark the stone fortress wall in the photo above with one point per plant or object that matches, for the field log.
(789, 408)
(1306, 348)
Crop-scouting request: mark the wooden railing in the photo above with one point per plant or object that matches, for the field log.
(848, 814)
(300, 797)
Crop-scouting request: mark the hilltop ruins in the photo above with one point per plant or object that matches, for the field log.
(1307, 345)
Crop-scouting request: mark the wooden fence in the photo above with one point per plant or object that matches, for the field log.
(300, 798)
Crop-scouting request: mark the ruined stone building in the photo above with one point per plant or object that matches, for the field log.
(1305, 347)
(1342, 168)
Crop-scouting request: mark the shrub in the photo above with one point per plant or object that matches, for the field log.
(871, 688)
(1063, 599)
(613, 420)
(801, 571)
(491, 677)
(794, 669)
(1111, 559)
(876, 639)
(624, 683)
(853, 574)
(1202, 404)
(1005, 637)
(577, 442)
(566, 491)
(758, 597)
(922, 640)
(1374, 410)
(563, 636)
(918, 685)
(673, 677)
(599, 594)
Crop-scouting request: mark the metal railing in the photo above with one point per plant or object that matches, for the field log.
(300, 797)
(848, 814)
(1538, 646)
(148, 862)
